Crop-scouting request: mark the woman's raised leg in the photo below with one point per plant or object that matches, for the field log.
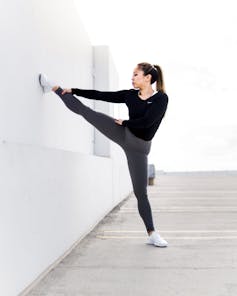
(104, 123)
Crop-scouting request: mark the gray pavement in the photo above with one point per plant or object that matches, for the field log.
(195, 212)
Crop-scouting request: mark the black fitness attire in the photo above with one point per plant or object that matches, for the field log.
(134, 135)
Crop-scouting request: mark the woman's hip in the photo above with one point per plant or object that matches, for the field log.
(134, 143)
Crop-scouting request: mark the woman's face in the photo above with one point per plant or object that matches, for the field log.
(138, 78)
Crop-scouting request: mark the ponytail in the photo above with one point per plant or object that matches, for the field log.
(156, 75)
(160, 80)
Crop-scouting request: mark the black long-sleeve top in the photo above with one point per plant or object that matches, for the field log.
(145, 116)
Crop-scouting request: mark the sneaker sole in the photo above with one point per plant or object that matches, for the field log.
(40, 82)
(161, 246)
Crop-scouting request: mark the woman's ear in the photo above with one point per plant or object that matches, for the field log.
(148, 77)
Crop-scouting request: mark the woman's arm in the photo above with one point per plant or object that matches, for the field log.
(107, 96)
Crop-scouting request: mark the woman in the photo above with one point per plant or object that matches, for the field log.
(146, 110)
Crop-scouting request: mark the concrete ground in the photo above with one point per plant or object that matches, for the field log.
(196, 213)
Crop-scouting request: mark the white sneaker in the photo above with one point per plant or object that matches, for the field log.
(45, 83)
(157, 240)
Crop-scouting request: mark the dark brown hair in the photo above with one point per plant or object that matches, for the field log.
(156, 74)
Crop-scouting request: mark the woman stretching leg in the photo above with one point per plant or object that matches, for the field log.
(133, 135)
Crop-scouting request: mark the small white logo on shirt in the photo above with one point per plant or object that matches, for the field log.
(149, 102)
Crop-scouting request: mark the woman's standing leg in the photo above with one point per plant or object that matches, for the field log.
(137, 151)
(104, 123)
(137, 164)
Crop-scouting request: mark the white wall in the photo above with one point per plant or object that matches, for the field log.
(101, 81)
(51, 189)
(106, 78)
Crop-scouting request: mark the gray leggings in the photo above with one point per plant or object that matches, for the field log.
(136, 150)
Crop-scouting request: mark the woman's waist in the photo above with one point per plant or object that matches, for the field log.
(141, 134)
